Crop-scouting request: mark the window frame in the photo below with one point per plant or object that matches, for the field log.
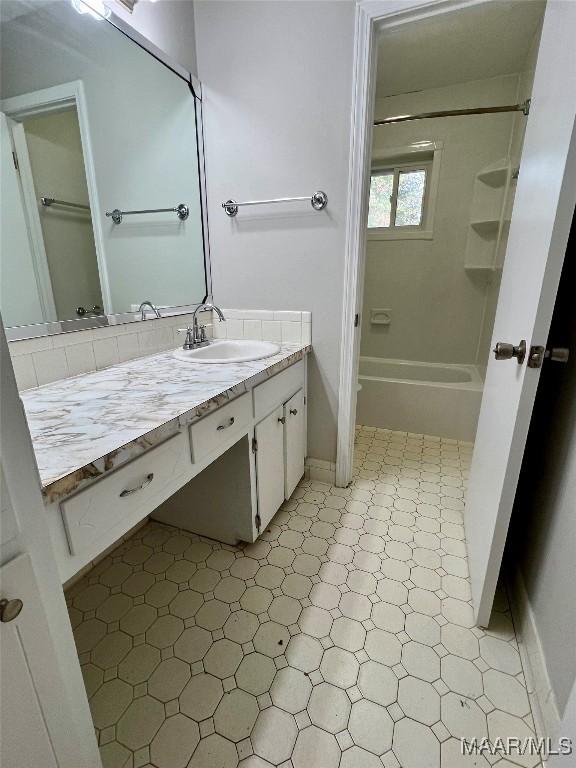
(396, 170)
(418, 156)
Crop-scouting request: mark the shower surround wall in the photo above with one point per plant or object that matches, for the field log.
(437, 308)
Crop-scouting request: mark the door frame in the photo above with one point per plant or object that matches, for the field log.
(371, 17)
(42, 102)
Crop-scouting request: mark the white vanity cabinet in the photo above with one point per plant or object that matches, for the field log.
(280, 453)
(269, 450)
(294, 441)
(260, 461)
(121, 497)
(224, 476)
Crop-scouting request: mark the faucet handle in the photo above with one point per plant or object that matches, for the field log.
(189, 340)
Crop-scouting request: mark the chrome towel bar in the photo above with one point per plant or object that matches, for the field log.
(181, 210)
(318, 201)
(48, 201)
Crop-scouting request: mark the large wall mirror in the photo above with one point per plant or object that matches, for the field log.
(92, 124)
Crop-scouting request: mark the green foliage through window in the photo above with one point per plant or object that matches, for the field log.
(397, 197)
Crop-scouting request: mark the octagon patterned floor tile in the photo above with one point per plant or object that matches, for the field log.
(343, 638)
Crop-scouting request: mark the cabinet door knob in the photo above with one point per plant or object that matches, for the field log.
(10, 609)
(293, 411)
(282, 420)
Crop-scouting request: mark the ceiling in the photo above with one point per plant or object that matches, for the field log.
(472, 43)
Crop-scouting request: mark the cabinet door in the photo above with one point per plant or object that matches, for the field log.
(270, 465)
(294, 448)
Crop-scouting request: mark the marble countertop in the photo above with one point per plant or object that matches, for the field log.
(85, 426)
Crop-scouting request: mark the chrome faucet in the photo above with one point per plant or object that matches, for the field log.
(142, 310)
(196, 335)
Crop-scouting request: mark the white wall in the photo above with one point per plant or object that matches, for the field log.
(55, 151)
(169, 24)
(277, 88)
(142, 127)
(437, 307)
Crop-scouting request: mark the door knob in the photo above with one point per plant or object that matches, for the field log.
(504, 351)
(9, 609)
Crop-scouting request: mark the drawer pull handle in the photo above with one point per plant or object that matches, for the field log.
(129, 491)
(225, 426)
(293, 411)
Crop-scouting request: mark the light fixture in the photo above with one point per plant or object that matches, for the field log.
(95, 8)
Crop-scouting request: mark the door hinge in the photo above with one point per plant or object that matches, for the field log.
(258, 521)
(15, 159)
(254, 445)
(356, 320)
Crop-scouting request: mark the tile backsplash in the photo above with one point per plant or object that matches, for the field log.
(44, 359)
(288, 327)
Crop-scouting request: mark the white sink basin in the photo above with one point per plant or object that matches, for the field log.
(228, 351)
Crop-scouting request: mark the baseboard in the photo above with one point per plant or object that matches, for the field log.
(321, 470)
(544, 708)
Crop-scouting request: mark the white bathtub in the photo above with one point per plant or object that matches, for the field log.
(428, 398)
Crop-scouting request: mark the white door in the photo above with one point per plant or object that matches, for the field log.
(543, 210)
(270, 465)
(26, 650)
(293, 442)
(45, 717)
(22, 296)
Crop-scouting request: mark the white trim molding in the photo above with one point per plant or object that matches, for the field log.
(371, 16)
(540, 691)
(320, 470)
(363, 83)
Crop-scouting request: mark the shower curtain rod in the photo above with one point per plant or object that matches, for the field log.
(524, 107)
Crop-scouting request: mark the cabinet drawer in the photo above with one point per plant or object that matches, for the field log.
(126, 496)
(219, 430)
(278, 389)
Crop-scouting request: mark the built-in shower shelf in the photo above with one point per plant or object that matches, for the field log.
(479, 268)
(494, 177)
(487, 221)
(486, 227)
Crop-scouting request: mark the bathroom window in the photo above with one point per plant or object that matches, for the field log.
(403, 191)
(398, 196)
